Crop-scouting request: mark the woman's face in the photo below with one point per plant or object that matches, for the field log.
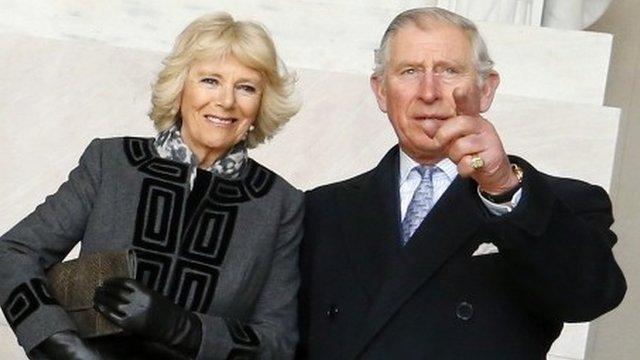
(220, 100)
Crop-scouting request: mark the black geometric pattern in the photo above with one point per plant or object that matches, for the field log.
(192, 284)
(152, 269)
(161, 205)
(181, 257)
(166, 170)
(42, 292)
(242, 334)
(24, 300)
(138, 150)
(242, 354)
(228, 191)
(207, 239)
(259, 180)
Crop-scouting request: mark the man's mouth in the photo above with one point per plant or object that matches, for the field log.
(430, 117)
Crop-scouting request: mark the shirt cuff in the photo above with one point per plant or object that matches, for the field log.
(503, 208)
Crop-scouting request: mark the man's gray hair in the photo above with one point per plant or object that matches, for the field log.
(425, 18)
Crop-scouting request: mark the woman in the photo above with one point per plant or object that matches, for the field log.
(215, 233)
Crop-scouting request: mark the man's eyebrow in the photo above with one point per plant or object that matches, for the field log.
(417, 63)
(407, 63)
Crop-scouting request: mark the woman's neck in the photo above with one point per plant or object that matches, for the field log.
(205, 156)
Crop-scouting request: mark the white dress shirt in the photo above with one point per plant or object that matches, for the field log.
(443, 177)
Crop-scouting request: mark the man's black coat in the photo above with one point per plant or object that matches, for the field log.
(364, 296)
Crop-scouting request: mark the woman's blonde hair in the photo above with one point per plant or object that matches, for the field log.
(215, 36)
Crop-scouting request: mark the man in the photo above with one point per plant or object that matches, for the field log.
(449, 248)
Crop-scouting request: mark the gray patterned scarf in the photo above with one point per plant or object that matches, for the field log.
(170, 146)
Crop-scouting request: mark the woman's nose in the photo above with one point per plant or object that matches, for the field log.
(225, 97)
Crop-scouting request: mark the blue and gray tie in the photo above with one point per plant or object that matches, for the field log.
(420, 204)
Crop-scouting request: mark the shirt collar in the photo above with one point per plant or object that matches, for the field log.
(407, 163)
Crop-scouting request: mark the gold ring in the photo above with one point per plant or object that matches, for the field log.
(477, 162)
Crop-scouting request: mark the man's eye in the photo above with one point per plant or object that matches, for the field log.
(449, 72)
(409, 71)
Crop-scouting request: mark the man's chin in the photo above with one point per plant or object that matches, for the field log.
(430, 128)
(430, 133)
(425, 154)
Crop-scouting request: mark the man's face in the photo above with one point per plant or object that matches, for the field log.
(416, 89)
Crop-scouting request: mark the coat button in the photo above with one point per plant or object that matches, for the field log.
(332, 312)
(464, 311)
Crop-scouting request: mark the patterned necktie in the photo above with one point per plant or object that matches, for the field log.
(420, 204)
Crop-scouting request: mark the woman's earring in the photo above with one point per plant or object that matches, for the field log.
(246, 134)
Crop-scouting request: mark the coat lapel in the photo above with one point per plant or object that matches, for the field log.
(371, 228)
(451, 223)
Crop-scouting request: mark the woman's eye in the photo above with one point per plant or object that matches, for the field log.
(209, 81)
(247, 88)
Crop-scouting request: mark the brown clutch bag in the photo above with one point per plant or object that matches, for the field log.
(74, 282)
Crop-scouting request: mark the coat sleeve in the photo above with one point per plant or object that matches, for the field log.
(37, 242)
(557, 244)
(271, 332)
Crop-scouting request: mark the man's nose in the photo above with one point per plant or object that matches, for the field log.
(225, 97)
(429, 87)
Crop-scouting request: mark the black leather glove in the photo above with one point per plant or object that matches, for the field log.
(144, 312)
(65, 345)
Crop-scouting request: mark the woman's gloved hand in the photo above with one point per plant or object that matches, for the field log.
(65, 345)
(144, 312)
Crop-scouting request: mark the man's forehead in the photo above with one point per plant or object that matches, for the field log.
(441, 38)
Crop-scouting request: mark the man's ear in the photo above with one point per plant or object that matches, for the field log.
(488, 90)
(379, 90)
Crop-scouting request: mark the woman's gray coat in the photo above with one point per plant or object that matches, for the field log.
(227, 249)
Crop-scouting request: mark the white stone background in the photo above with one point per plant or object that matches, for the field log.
(75, 70)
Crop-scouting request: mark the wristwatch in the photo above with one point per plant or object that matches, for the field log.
(507, 195)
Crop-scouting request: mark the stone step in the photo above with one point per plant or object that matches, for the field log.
(331, 35)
